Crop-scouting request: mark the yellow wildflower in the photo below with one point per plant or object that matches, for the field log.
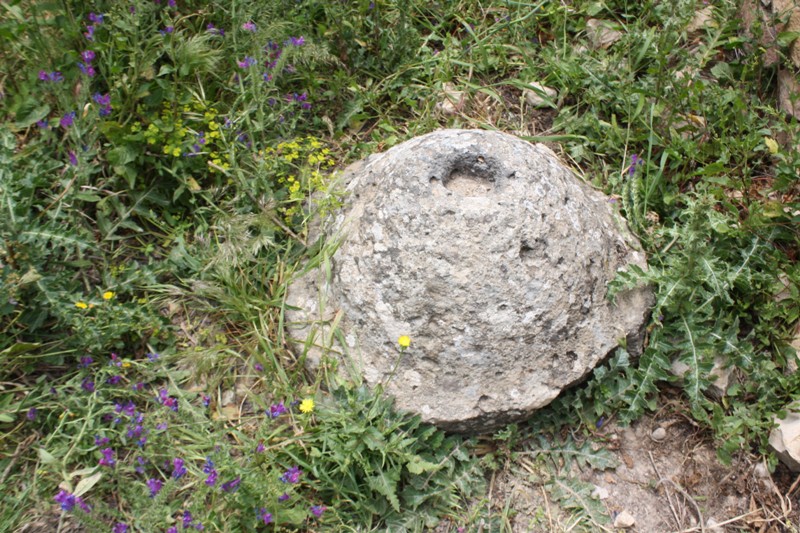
(81, 305)
(404, 341)
(108, 295)
(307, 405)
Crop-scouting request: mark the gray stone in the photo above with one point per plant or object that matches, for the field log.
(659, 434)
(493, 257)
(624, 520)
(602, 33)
(537, 95)
(784, 439)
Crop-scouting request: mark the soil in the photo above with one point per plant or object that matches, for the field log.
(670, 481)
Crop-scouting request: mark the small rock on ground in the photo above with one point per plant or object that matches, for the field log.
(624, 520)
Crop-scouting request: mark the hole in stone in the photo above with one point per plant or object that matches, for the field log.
(471, 176)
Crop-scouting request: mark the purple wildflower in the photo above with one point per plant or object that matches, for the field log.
(87, 385)
(114, 380)
(89, 33)
(247, 62)
(66, 500)
(155, 486)
(267, 76)
(161, 426)
(277, 409)
(138, 386)
(115, 360)
(128, 408)
(100, 441)
(296, 41)
(120, 527)
(87, 56)
(85, 361)
(104, 100)
(292, 475)
(73, 160)
(263, 515)
(206, 400)
(168, 29)
(87, 69)
(635, 162)
(187, 519)
(152, 357)
(42, 124)
(258, 367)
(178, 470)
(317, 510)
(171, 3)
(249, 26)
(69, 501)
(167, 401)
(108, 457)
(172, 529)
(231, 485)
(31, 414)
(67, 120)
(135, 431)
(95, 18)
(283, 497)
(209, 466)
(54, 76)
(172, 403)
(260, 448)
(211, 480)
(214, 30)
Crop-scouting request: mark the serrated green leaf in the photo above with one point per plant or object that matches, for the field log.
(417, 465)
(386, 484)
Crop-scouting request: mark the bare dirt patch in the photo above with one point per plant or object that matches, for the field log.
(667, 479)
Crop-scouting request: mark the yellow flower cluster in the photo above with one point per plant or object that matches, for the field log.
(177, 131)
(299, 166)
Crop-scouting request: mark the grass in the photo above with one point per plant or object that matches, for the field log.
(155, 163)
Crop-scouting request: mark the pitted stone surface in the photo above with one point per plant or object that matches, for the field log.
(493, 257)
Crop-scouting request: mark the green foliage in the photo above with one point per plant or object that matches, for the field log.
(386, 468)
(179, 176)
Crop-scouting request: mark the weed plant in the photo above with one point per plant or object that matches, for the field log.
(156, 164)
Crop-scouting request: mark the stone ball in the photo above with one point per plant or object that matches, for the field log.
(492, 256)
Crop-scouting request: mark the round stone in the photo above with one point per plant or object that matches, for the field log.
(492, 257)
